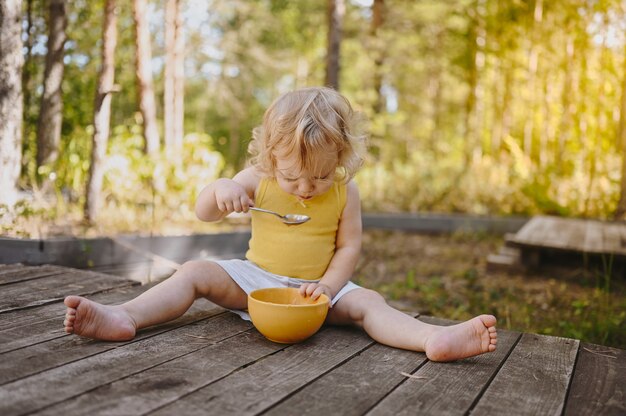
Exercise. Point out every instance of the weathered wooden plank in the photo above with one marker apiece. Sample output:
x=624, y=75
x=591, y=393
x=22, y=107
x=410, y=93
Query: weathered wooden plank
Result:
x=572, y=235
x=552, y=232
x=533, y=380
x=426, y=222
x=593, y=238
x=354, y=387
x=555, y=232
x=67, y=251
x=357, y=385
x=24, y=327
x=61, y=383
x=54, y=288
x=576, y=238
x=271, y=379
x=526, y=235
x=30, y=316
x=142, y=272
x=168, y=382
x=9, y=268
x=83, y=253
x=599, y=382
x=39, y=357
x=622, y=231
x=4, y=268
x=24, y=273
x=436, y=383
x=613, y=239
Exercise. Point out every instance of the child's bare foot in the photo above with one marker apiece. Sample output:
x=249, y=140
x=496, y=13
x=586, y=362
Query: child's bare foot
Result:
x=93, y=320
x=473, y=337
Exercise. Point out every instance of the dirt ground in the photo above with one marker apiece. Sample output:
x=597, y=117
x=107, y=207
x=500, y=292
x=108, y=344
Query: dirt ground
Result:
x=447, y=276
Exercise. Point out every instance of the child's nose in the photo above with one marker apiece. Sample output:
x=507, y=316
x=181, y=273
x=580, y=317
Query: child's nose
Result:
x=305, y=185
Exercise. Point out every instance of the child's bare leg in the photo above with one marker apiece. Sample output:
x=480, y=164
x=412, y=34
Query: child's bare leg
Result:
x=164, y=302
x=389, y=326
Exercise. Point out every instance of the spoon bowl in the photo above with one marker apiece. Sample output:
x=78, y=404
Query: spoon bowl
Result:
x=289, y=219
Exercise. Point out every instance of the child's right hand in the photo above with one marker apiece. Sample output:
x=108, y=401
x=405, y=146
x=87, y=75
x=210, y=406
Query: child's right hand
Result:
x=230, y=196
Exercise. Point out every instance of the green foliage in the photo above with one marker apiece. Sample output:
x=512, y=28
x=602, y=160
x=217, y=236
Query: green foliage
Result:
x=152, y=189
x=470, y=123
x=12, y=218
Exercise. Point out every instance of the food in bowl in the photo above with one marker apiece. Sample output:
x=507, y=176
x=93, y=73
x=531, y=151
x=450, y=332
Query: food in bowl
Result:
x=285, y=316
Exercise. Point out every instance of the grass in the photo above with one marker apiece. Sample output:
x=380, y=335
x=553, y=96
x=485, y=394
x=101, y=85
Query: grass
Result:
x=446, y=276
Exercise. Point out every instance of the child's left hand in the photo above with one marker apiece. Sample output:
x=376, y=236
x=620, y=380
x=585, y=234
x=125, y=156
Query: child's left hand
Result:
x=314, y=290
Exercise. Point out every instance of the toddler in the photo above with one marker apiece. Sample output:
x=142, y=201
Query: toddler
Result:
x=305, y=155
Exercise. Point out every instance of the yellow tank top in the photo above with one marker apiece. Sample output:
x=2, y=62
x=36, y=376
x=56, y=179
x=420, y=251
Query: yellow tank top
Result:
x=301, y=251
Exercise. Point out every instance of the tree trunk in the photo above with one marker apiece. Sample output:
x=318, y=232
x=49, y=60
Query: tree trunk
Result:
x=567, y=99
x=29, y=40
x=336, y=11
x=51, y=110
x=473, y=102
x=179, y=80
x=145, y=91
x=546, y=132
x=174, y=73
x=168, y=78
x=234, y=139
x=533, y=62
x=481, y=59
x=378, y=18
x=620, y=212
x=102, y=112
x=435, y=86
x=599, y=117
x=498, y=104
x=11, y=61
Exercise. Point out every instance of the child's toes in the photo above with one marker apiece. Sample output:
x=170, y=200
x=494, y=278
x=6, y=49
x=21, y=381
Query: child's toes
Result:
x=70, y=314
x=68, y=323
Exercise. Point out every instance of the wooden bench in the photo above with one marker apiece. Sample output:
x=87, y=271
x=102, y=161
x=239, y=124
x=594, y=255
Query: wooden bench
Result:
x=565, y=241
x=210, y=361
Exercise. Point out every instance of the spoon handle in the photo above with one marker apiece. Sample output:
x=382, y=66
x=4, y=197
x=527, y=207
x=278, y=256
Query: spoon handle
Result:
x=266, y=211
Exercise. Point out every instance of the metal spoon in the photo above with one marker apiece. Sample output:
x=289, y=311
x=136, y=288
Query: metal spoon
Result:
x=289, y=219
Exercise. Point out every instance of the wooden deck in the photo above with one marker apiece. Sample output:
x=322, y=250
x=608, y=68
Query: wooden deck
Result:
x=575, y=235
x=211, y=362
x=565, y=241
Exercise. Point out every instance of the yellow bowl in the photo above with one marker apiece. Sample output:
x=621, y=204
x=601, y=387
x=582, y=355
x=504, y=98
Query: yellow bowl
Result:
x=283, y=315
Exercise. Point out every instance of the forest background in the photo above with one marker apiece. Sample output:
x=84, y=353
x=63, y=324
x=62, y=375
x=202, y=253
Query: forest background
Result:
x=114, y=114
x=475, y=106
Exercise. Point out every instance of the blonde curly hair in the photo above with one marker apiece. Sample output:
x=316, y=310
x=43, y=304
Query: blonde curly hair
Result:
x=310, y=123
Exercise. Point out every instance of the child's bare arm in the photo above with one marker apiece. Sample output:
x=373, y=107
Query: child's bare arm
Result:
x=348, y=248
x=224, y=196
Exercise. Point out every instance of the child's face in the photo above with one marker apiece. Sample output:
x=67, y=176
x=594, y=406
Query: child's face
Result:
x=300, y=182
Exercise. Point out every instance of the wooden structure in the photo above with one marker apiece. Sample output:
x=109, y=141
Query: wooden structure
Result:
x=212, y=362
x=568, y=240
x=137, y=257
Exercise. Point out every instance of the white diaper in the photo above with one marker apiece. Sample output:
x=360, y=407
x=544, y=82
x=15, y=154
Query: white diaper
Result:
x=250, y=277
